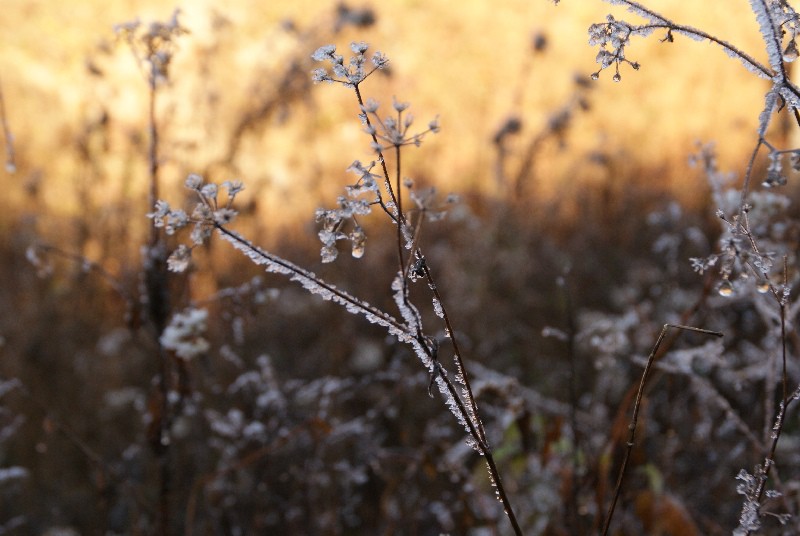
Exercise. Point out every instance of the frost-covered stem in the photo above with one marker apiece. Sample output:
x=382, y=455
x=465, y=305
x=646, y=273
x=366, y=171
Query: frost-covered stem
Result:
x=307, y=278
x=771, y=40
x=501, y=492
x=494, y=473
x=472, y=415
x=415, y=244
x=748, y=174
x=777, y=428
x=783, y=303
x=664, y=23
x=381, y=159
x=769, y=461
x=635, y=417
x=401, y=219
x=411, y=330
x=784, y=388
x=776, y=71
x=730, y=49
x=399, y=191
x=779, y=298
x=781, y=83
x=743, y=56
x=407, y=333
x=398, y=216
x=395, y=197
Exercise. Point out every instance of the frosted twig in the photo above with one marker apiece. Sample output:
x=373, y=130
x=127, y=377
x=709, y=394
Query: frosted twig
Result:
x=461, y=370
x=315, y=285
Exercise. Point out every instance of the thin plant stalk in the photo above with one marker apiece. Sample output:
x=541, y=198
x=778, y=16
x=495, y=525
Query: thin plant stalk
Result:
x=635, y=417
x=411, y=334
x=154, y=48
x=471, y=416
x=786, y=399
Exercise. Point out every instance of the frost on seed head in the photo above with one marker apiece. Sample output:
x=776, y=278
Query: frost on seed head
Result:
x=350, y=73
x=323, y=53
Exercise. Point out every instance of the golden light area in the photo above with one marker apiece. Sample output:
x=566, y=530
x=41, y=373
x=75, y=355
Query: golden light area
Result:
x=76, y=100
x=182, y=370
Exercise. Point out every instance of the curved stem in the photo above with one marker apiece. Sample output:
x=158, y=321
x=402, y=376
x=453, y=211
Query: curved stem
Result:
x=460, y=368
x=635, y=417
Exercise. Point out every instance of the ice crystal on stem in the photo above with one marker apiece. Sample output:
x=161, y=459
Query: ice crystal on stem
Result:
x=748, y=486
x=770, y=31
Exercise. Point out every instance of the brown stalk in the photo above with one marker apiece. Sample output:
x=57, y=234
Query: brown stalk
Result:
x=635, y=417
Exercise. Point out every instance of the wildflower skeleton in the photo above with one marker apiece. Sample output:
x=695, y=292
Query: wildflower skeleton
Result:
x=390, y=133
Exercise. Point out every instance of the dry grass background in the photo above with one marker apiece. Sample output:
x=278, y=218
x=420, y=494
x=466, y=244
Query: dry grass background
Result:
x=76, y=103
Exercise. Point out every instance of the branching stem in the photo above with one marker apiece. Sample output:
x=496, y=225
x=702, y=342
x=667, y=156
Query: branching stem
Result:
x=635, y=417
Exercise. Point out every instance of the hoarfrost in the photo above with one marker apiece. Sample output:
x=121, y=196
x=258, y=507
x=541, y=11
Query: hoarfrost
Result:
x=771, y=99
x=769, y=33
x=639, y=10
x=309, y=281
x=437, y=308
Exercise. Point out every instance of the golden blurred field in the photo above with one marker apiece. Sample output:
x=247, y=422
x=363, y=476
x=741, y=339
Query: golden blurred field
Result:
x=473, y=66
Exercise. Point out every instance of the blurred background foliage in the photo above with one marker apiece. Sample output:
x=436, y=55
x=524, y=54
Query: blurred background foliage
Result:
x=578, y=214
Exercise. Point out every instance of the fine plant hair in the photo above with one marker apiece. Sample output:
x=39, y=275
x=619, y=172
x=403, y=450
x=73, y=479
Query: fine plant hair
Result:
x=384, y=189
x=743, y=259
